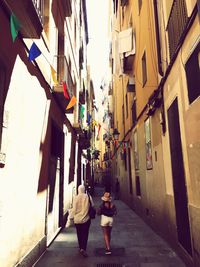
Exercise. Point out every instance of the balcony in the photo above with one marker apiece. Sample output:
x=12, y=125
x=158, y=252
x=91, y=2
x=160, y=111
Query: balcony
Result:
x=64, y=75
x=127, y=48
x=30, y=15
x=176, y=25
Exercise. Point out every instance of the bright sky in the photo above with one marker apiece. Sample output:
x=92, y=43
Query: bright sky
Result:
x=97, y=13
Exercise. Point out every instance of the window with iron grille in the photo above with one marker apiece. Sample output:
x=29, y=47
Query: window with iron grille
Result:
x=192, y=68
x=176, y=24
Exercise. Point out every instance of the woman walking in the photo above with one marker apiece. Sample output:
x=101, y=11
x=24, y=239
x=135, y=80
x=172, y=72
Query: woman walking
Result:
x=81, y=217
x=107, y=210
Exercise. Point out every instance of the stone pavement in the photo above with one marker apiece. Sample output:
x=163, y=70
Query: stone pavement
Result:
x=134, y=244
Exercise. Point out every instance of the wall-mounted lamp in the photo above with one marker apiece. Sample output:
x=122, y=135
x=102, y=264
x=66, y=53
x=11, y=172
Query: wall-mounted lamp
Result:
x=116, y=134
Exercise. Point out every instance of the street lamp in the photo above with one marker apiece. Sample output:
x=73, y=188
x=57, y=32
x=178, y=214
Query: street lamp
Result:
x=116, y=134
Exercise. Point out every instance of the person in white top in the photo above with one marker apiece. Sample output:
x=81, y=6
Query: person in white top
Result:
x=81, y=218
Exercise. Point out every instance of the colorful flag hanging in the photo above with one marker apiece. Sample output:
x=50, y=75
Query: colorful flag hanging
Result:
x=94, y=123
x=34, y=52
x=72, y=102
x=54, y=76
x=65, y=91
x=14, y=26
x=88, y=118
x=82, y=109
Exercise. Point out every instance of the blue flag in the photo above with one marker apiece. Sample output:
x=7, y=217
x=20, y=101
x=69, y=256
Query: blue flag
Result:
x=34, y=52
x=88, y=118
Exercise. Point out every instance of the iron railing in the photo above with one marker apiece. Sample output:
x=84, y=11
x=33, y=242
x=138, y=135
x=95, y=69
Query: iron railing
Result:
x=39, y=7
x=64, y=73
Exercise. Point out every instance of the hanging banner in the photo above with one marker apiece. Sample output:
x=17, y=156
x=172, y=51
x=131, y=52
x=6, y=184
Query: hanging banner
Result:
x=54, y=76
x=71, y=103
x=65, y=91
x=14, y=26
x=34, y=52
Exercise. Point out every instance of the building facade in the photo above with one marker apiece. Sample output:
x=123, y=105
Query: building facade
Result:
x=155, y=78
x=43, y=66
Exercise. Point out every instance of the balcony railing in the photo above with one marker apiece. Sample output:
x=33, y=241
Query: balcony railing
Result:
x=176, y=24
x=64, y=75
x=30, y=15
x=39, y=7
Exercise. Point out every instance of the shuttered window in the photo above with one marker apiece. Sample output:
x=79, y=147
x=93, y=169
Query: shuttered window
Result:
x=192, y=69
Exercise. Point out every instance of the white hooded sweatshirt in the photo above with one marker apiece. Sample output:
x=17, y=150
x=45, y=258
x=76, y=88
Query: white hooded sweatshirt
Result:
x=81, y=206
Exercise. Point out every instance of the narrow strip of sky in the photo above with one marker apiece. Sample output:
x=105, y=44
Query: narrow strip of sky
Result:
x=97, y=13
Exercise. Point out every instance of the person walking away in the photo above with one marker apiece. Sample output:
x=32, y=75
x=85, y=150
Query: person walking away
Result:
x=81, y=217
x=107, y=210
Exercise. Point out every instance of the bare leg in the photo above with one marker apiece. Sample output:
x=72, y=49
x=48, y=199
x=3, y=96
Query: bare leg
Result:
x=107, y=236
x=109, y=233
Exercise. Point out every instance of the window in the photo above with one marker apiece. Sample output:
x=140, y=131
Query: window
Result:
x=115, y=6
x=136, y=155
x=192, y=68
x=149, y=163
x=176, y=24
x=75, y=32
x=139, y=5
x=60, y=67
x=134, y=116
x=126, y=106
x=138, y=189
x=46, y=18
x=144, y=69
x=125, y=158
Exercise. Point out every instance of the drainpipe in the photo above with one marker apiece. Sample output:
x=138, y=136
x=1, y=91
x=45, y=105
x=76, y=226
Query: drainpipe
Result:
x=157, y=38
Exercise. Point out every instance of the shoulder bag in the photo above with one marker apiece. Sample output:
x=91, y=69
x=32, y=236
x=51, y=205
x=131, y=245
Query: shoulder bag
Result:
x=92, y=210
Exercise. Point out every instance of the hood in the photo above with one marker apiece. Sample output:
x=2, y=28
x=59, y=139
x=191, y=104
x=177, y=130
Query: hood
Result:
x=81, y=189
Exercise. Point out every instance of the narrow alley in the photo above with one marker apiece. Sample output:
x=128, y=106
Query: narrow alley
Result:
x=144, y=249
x=103, y=94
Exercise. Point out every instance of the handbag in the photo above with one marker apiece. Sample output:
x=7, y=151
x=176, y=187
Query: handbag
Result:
x=92, y=210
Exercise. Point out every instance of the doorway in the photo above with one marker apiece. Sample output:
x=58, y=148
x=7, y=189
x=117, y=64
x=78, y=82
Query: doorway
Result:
x=179, y=183
x=55, y=184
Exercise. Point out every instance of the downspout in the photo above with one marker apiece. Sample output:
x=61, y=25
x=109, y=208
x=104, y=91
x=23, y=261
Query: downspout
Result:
x=157, y=38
